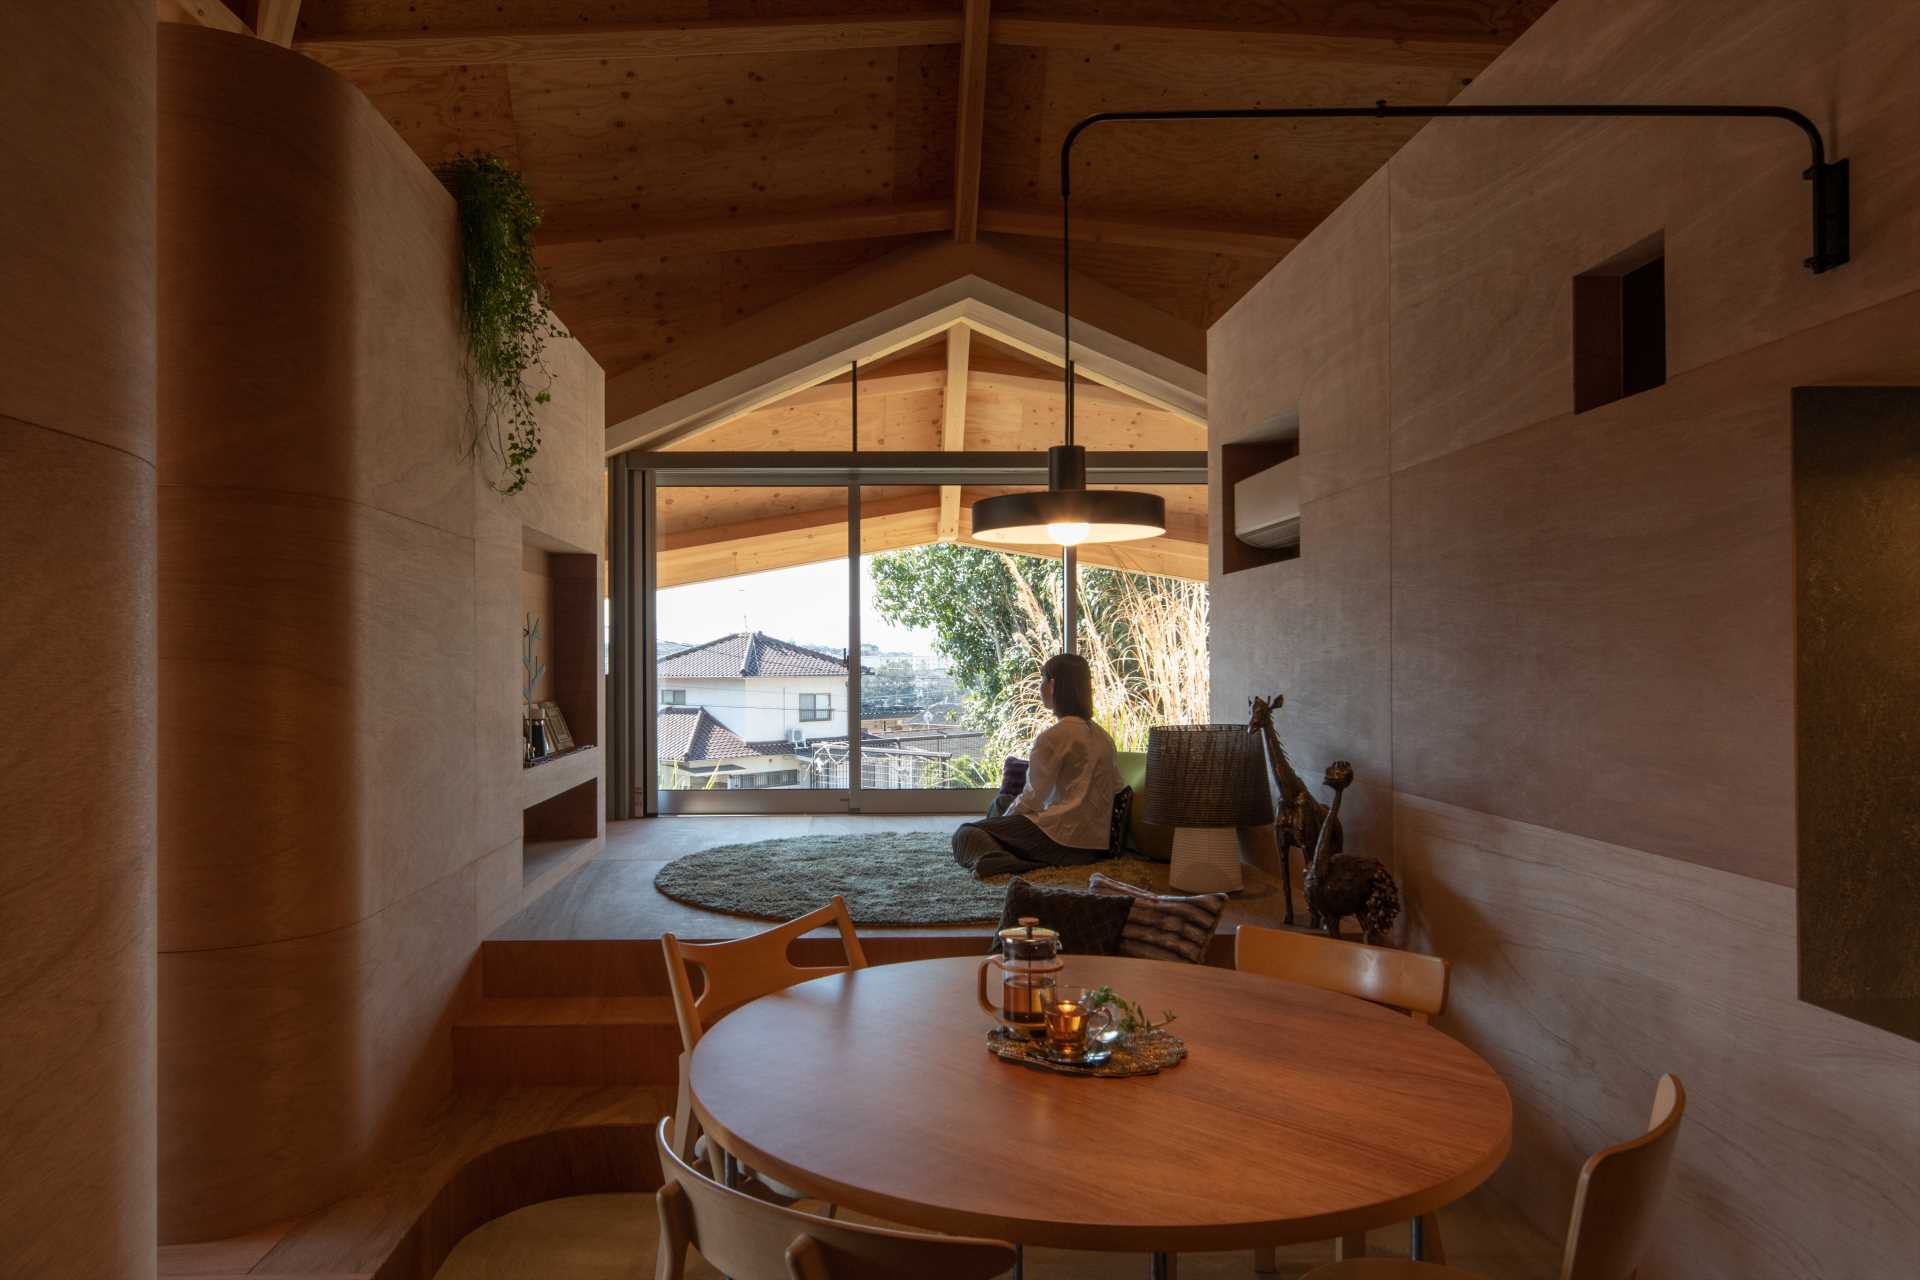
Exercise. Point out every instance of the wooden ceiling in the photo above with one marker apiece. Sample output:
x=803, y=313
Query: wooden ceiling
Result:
x=699, y=160
x=715, y=174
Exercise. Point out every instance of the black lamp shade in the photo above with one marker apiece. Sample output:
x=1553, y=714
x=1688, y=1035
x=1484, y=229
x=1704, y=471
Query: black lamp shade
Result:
x=1207, y=775
x=1066, y=512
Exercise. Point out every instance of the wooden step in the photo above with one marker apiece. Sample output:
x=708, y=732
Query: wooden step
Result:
x=566, y=1040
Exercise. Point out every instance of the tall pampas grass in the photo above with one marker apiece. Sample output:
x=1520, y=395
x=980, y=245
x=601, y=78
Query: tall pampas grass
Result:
x=1145, y=641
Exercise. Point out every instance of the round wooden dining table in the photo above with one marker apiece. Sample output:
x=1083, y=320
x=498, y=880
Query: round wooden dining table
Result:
x=1298, y=1114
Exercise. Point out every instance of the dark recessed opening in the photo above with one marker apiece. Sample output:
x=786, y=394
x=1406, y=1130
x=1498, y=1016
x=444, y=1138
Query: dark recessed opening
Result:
x=1620, y=328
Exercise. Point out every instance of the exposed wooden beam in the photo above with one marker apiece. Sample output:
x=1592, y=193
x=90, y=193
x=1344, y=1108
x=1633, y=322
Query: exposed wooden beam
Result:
x=953, y=424
x=729, y=235
x=201, y=13
x=970, y=131
x=274, y=20
x=793, y=538
x=1196, y=237
x=590, y=43
x=1465, y=53
x=888, y=305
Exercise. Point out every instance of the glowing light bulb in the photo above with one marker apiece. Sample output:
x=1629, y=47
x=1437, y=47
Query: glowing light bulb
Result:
x=1068, y=534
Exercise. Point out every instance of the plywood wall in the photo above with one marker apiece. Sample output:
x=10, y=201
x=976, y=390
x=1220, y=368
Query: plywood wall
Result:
x=76, y=640
x=1559, y=647
x=340, y=605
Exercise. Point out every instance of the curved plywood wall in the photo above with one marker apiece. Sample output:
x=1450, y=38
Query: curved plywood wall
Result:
x=339, y=621
x=76, y=639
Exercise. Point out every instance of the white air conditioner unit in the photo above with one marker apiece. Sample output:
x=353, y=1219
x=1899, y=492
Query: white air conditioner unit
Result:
x=797, y=737
x=1266, y=507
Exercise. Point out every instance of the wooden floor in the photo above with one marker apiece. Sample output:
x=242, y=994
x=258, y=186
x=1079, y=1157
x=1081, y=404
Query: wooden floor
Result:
x=613, y=1237
x=613, y=897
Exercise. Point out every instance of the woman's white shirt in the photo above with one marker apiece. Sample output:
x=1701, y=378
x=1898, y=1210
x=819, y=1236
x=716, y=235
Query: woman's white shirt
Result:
x=1071, y=781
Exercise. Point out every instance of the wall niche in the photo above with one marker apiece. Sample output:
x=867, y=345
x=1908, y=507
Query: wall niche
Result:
x=558, y=587
x=1856, y=506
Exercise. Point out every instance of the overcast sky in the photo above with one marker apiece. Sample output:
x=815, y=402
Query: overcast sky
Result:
x=806, y=604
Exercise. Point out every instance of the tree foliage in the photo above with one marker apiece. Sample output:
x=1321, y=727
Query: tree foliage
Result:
x=996, y=617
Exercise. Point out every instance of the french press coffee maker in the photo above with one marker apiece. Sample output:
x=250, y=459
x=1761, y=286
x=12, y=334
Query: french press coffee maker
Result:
x=1029, y=964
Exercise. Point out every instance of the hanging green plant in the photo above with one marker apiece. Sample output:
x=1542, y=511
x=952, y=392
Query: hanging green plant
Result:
x=503, y=308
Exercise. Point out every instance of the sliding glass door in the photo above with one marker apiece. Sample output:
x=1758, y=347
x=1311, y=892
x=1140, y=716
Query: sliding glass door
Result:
x=752, y=680
x=819, y=633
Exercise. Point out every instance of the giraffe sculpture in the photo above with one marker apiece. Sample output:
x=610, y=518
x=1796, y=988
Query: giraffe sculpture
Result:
x=1300, y=816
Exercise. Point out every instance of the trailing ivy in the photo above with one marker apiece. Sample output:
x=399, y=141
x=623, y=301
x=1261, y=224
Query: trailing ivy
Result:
x=503, y=309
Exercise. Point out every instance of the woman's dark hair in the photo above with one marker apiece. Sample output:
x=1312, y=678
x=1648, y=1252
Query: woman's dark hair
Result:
x=1072, y=684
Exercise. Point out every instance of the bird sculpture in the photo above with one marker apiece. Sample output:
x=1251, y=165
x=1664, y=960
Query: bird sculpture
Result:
x=1341, y=884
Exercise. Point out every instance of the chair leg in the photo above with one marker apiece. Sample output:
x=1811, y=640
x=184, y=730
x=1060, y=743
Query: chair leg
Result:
x=1164, y=1266
x=1427, y=1245
x=1346, y=1248
x=1266, y=1260
x=1019, y=1262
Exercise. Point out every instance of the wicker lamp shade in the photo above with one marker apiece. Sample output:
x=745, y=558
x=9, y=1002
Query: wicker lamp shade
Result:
x=1207, y=775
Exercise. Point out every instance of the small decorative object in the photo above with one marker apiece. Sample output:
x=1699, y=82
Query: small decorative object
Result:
x=1029, y=964
x=1205, y=781
x=1344, y=885
x=1140, y=1055
x=1301, y=815
x=1129, y=1018
x=558, y=735
x=538, y=746
x=503, y=308
x=1075, y=1025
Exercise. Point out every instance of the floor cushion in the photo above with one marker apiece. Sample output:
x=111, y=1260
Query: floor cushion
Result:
x=1089, y=924
x=1164, y=927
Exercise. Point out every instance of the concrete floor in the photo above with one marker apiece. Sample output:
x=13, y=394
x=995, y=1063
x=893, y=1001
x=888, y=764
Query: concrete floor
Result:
x=613, y=896
x=613, y=1237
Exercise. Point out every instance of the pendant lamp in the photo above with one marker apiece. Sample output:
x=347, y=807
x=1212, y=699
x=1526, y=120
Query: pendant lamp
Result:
x=1067, y=513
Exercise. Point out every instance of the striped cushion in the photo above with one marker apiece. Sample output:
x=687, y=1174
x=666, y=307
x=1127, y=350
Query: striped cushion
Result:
x=1164, y=928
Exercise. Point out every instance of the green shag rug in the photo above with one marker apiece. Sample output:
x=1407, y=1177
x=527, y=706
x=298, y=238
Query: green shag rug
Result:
x=888, y=877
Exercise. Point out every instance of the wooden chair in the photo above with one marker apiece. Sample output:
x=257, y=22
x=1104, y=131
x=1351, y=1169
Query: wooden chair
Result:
x=1413, y=983
x=747, y=1239
x=1614, y=1208
x=734, y=973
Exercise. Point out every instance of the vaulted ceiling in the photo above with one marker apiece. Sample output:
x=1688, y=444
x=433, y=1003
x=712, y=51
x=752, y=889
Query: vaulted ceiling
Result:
x=702, y=161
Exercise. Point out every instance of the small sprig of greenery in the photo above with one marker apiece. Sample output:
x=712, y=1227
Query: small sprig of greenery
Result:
x=503, y=308
x=1132, y=1019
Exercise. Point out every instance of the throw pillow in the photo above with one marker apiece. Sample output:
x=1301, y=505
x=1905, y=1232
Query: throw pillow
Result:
x=1120, y=829
x=1089, y=924
x=1013, y=776
x=1161, y=927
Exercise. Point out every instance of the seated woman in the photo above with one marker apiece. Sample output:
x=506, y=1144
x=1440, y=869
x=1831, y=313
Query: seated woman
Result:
x=1064, y=815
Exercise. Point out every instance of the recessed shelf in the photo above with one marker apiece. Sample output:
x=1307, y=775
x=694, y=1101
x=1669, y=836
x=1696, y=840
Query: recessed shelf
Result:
x=556, y=774
x=565, y=821
x=1237, y=463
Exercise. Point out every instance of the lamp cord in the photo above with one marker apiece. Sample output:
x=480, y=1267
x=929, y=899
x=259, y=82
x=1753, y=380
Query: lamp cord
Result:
x=1830, y=197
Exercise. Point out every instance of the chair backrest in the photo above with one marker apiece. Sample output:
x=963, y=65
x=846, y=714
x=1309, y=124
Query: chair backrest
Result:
x=748, y=968
x=748, y=1239
x=1404, y=979
x=1620, y=1193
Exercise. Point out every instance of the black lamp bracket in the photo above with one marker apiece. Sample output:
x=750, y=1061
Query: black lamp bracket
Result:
x=1831, y=212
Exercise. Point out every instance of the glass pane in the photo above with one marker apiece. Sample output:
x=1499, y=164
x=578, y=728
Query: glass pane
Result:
x=994, y=616
x=948, y=632
x=751, y=656
x=1144, y=622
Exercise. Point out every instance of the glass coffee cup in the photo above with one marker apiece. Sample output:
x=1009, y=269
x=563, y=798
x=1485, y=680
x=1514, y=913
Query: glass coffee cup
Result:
x=1074, y=1026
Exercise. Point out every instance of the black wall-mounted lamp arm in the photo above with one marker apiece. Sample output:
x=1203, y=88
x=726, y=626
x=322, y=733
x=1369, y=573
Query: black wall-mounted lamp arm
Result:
x=1831, y=214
